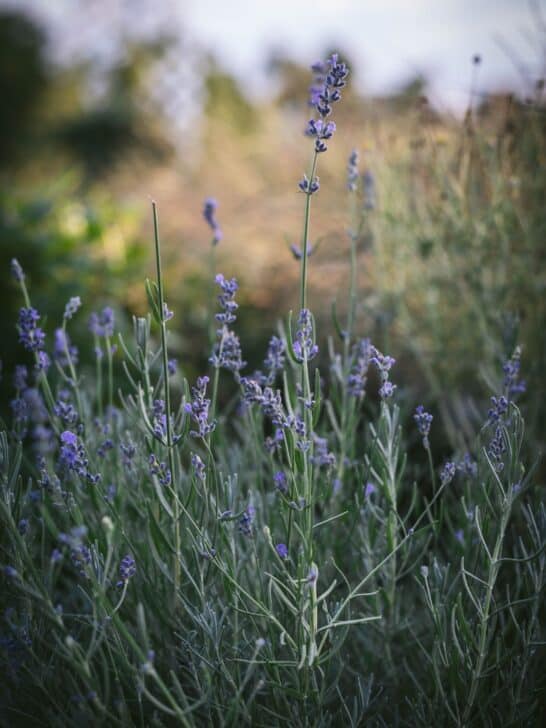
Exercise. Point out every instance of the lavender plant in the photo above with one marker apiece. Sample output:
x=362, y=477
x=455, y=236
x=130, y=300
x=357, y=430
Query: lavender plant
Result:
x=167, y=560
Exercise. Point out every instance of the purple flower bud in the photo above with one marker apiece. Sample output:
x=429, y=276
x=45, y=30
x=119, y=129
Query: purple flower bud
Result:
x=71, y=307
x=16, y=270
x=423, y=420
x=102, y=324
x=281, y=483
x=209, y=211
x=448, y=473
x=312, y=576
x=369, y=489
x=127, y=569
x=352, y=171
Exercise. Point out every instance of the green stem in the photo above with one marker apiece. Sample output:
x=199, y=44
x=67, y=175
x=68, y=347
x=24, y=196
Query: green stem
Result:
x=99, y=374
x=354, y=235
x=165, y=360
x=494, y=568
x=72, y=373
x=212, y=275
x=303, y=280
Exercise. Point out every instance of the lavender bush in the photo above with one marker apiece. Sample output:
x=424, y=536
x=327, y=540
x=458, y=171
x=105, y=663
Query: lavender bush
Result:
x=168, y=561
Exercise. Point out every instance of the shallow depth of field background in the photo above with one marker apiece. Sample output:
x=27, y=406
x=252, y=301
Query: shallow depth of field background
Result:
x=107, y=104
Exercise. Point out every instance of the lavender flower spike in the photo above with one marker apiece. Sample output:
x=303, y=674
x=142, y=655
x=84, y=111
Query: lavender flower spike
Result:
x=330, y=78
x=17, y=271
x=127, y=569
x=31, y=335
x=227, y=299
x=423, y=420
x=209, y=210
x=71, y=307
x=102, y=324
x=352, y=172
x=384, y=364
x=198, y=409
x=304, y=346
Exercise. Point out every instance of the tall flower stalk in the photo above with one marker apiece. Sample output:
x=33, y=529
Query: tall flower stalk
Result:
x=164, y=316
x=329, y=79
x=30, y=335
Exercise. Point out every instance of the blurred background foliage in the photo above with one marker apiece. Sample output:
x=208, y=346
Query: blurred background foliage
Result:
x=452, y=251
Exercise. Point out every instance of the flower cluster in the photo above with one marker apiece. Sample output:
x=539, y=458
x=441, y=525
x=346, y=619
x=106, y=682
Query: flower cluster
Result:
x=227, y=300
x=105, y=446
x=209, y=211
x=275, y=358
x=64, y=409
x=227, y=352
x=273, y=442
x=468, y=466
x=356, y=381
x=43, y=362
x=20, y=377
x=331, y=77
x=246, y=520
x=81, y=558
x=167, y=313
x=160, y=470
x=71, y=307
x=498, y=416
x=499, y=408
x=159, y=422
x=512, y=385
x=198, y=409
x=127, y=569
x=267, y=398
x=497, y=448
x=80, y=554
x=304, y=346
x=321, y=456
x=273, y=364
x=102, y=324
x=72, y=456
x=309, y=186
x=128, y=452
x=199, y=467
x=423, y=420
x=448, y=472
x=31, y=335
x=29, y=409
x=352, y=171
x=281, y=482
x=384, y=364
x=297, y=425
